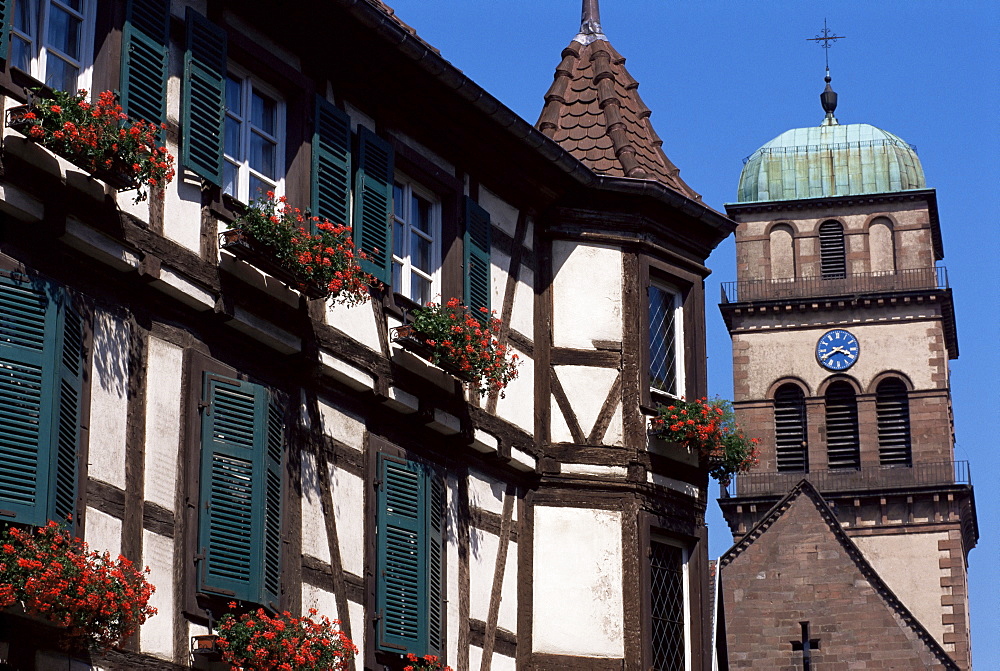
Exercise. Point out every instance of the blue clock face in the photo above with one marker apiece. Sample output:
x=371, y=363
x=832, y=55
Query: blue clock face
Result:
x=837, y=350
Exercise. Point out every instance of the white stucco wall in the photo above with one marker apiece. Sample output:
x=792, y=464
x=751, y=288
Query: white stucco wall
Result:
x=586, y=294
x=587, y=388
x=346, y=428
x=518, y=404
x=909, y=565
x=314, y=540
x=163, y=421
x=487, y=492
x=357, y=321
x=577, y=590
x=156, y=637
x=349, y=511
x=109, y=399
x=522, y=314
x=483, y=547
x=104, y=533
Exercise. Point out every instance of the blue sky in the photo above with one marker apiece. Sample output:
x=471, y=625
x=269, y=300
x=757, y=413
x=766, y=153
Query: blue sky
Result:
x=723, y=78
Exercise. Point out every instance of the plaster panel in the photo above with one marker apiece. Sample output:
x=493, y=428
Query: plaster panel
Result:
x=559, y=428
x=587, y=294
x=314, y=540
x=902, y=346
x=182, y=212
x=577, y=590
x=426, y=153
x=499, y=271
x=348, y=509
x=156, y=636
x=908, y=563
x=358, y=631
x=451, y=556
x=518, y=403
x=487, y=492
x=615, y=434
x=356, y=321
x=104, y=533
x=587, y=388
x=163, y=421
x=323, y=601
x=522, y=314
x=342, y=426
x=482, y=568
x=502, y=214
x=109, y=399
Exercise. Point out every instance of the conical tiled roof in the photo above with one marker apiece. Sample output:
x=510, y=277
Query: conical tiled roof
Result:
x=593, y=110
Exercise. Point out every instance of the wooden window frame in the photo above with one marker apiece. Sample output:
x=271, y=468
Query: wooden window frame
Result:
x=40, y=11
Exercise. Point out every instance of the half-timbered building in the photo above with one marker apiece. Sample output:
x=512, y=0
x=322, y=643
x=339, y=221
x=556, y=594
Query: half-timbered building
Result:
x=196, y=414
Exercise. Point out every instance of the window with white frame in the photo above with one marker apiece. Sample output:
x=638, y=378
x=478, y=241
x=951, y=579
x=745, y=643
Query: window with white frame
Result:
x=416, y=242
x=52, y=40
x=255, y=120
x=670, y=628
x=666, y=346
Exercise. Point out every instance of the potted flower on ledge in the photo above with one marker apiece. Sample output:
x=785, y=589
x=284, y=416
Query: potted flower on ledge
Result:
x=257, y=641
x=709, y=429
x=451, y=337
x=275, y=237
x=49, y=575
x=98, y=137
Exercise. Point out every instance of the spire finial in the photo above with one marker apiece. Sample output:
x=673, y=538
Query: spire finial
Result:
x=829, y=97
x=590, y=23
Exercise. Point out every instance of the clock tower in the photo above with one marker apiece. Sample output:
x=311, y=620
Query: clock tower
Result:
x=842, y=327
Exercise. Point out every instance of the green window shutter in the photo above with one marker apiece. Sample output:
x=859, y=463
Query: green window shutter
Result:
x=373, y=204
x=435, y=567
x=203, y=97
x=144, y=59
x=331, y=164
x=240, y=503
x=401, y=578
x=40, y=386
x=477, y=258
x=5, y=7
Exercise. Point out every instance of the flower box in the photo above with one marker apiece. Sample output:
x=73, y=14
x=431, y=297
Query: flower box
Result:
x=413, y=341
x=245, y=247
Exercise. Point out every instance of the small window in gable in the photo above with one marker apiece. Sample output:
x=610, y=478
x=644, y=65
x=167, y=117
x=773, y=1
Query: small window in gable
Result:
x=52, y=40
x=254, y=129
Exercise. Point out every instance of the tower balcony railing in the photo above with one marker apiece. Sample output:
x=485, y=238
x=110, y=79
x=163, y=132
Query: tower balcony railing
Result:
x=909, y=279
x=871, y=477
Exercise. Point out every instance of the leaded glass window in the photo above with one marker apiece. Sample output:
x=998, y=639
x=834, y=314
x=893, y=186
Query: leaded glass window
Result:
x=668, y=631
x=665, y=341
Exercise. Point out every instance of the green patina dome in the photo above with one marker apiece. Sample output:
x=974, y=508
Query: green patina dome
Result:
x=830, y=160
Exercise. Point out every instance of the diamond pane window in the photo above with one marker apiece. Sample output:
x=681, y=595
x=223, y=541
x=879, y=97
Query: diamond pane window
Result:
x=665, y=347
x=668, y=631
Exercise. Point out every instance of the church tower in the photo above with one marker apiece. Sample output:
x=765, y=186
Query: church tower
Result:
x=842, y=325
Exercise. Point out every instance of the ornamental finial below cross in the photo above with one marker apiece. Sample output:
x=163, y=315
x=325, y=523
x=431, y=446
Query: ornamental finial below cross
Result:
x=826, y=37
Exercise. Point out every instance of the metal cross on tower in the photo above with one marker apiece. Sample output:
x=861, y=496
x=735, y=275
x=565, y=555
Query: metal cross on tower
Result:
x=826, y=37
x=806, y=645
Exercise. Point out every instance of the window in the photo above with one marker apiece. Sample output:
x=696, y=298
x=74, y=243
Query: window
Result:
x=410, y=535
x=41, y=382
x=239, y=534
x=52, y=41
x=842, y=446
x=416, y=242
x=668, y=606
x=892, y=409
x=666, y=354
x=790, y=428
x=832, y=254
x=254, y=126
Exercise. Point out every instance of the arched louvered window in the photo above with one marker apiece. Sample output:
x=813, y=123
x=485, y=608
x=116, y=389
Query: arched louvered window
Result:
x=892, y=407
x=790, y=428
x=842, y=446
x=832, y=252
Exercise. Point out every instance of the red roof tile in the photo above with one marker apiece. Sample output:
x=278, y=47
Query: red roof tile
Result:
x=593, y=110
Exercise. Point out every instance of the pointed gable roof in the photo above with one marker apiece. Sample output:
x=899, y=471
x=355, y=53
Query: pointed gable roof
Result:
x=804, y=494
x=593, y=110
